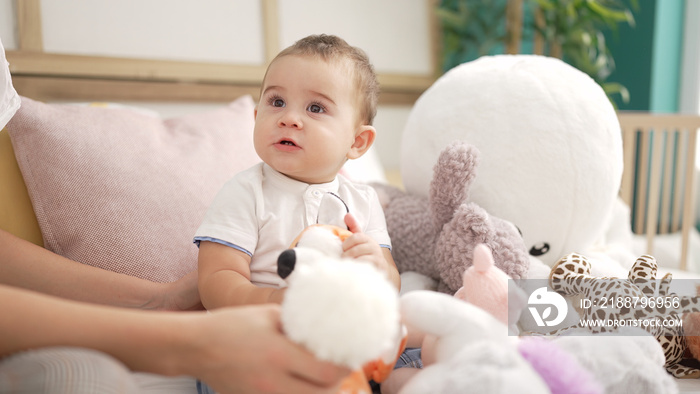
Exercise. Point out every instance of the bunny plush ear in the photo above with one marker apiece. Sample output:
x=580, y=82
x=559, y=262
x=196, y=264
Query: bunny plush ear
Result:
x=332, y=210
x=483, y=258
x=452, y=176
x=485, y=285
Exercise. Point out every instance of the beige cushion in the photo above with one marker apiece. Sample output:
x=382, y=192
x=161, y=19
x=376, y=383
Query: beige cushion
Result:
x=16, y=213
x=123, y=190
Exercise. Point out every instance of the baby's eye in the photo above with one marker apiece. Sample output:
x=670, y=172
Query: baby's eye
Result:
x=316, y=108
x=276, y=101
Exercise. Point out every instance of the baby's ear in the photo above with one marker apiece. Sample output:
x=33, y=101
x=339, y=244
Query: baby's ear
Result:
x=364, y=138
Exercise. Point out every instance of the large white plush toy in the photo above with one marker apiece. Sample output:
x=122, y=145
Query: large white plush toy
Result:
x=551, y=150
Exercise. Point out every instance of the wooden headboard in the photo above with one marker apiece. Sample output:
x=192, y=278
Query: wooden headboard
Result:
x=50, y=76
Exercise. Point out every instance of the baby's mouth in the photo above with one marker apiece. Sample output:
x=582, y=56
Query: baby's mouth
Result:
x=287, y=143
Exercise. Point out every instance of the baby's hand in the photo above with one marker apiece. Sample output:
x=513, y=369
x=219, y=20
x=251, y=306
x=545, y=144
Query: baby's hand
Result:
x=361, y=246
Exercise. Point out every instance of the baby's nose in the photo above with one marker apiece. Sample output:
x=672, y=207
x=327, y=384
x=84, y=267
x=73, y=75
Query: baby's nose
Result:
x=290, y=119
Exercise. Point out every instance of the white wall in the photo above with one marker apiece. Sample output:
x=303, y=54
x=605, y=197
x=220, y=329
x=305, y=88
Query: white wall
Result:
x=7, y=24
x=395, y=34
x=207, y=30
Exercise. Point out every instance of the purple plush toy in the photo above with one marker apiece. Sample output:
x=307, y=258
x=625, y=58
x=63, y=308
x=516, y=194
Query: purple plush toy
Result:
x=559, y=369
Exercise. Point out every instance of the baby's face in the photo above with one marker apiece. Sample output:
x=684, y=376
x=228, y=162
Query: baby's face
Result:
x=306, y=121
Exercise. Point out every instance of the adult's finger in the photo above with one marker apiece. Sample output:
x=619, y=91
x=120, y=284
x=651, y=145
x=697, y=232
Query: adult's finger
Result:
x=322, y=375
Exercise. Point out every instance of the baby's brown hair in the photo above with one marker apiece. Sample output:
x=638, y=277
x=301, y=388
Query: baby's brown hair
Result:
x=330, y=47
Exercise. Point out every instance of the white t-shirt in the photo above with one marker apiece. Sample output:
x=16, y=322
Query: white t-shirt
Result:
x=261, y=211
x=9, y=99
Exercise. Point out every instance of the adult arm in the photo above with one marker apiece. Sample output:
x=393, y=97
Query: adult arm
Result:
x=224, y=278
x=32, y=267
x=238, y=350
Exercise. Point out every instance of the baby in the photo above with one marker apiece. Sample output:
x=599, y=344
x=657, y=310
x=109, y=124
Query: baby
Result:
x=317, y=104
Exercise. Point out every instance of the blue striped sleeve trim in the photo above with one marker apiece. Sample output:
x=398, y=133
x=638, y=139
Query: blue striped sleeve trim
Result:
x=197, y=240
x=385, y=246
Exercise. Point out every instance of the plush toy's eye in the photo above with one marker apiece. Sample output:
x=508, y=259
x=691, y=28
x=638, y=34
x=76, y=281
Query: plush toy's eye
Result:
x=286, y=262
x=539, y=250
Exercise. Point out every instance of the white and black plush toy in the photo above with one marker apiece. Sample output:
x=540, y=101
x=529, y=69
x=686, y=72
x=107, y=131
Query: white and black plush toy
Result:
x=342, y=310
x=551, y=151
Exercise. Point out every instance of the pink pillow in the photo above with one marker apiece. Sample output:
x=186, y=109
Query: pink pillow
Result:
x=121, y=190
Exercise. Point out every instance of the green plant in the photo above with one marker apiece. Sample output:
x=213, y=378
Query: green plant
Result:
x=572, y=30
x=470, y=29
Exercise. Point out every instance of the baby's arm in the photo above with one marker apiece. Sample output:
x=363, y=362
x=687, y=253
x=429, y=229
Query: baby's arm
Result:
x=391, y=269
x=361, y=246
x=224, y=278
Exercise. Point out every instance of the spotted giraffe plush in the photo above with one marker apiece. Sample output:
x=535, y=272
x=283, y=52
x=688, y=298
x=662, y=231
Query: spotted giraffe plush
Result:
x=571, y=276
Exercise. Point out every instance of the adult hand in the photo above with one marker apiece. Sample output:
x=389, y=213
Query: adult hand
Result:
x=244, y=351
x=180, y=295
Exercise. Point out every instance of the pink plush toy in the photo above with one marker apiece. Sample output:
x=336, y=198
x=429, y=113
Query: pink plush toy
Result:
x=487, y=286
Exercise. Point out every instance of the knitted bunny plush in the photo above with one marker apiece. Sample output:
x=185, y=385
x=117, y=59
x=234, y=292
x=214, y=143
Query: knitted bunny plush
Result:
x=436, y=236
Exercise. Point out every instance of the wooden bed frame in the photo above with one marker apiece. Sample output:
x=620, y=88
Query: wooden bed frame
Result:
x=659, y=173
x=54, y=77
